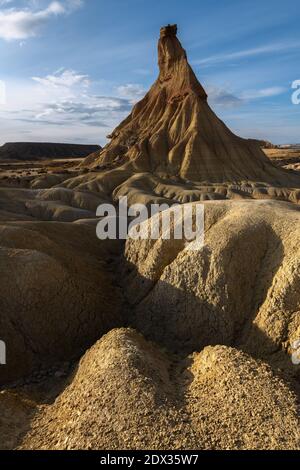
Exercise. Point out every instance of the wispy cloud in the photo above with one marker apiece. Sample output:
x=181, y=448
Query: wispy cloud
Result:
x=223, y=97
x=20, y=24
x=228, y=99
x=64, y=99
x=132, y=91
x=246, y=53
x=263, y=93
x=63, y=78
x=93, y=109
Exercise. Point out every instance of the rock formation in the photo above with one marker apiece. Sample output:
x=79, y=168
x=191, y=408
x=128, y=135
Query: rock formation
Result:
x=128, y=394
x=223, y=320
x=206, y=362
x=171, y=148
x=174, y=132
x=241, y=289
x=56, y=295
x=264, y=144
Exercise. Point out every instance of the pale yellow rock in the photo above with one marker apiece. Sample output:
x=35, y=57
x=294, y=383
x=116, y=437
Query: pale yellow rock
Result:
x=127, y=394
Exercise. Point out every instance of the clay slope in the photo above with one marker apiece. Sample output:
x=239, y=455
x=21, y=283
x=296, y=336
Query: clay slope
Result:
x=241, y=289
x=222, y=319
x=128, y=394
x=57, y=295
x=173, y=131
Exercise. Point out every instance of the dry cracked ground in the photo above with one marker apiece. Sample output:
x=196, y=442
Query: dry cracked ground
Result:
x=146, y=344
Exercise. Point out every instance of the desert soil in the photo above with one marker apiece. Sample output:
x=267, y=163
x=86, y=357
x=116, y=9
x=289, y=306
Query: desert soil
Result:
x=206, y=362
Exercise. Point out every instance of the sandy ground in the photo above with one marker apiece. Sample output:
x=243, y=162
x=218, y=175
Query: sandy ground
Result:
x=285, y=158
x=12, y=171
x=206, y=364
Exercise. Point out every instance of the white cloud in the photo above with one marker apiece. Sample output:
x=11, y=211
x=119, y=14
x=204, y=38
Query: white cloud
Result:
x=132, y=91
x=66, y=98
x=63, y=78
x=228, y=99
x=245, y=53
x=61, y=105
x=20, y=24
x=263, y=93
x=74, y=4
x=90, y=109
x=222, y=97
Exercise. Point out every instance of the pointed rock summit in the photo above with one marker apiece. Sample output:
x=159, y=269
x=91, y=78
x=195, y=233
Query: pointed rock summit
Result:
x=173, y=131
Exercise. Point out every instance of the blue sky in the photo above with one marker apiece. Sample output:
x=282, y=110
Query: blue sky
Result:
x=73, y=68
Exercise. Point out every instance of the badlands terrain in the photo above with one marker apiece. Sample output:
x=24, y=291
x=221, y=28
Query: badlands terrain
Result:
x=144, y=344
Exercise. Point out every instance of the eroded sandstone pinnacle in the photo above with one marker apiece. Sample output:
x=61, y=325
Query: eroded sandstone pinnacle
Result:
x=169, y=30
x=173, y=131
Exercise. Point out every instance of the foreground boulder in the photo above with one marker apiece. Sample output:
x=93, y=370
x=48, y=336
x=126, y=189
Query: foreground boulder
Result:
x=128, y=394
